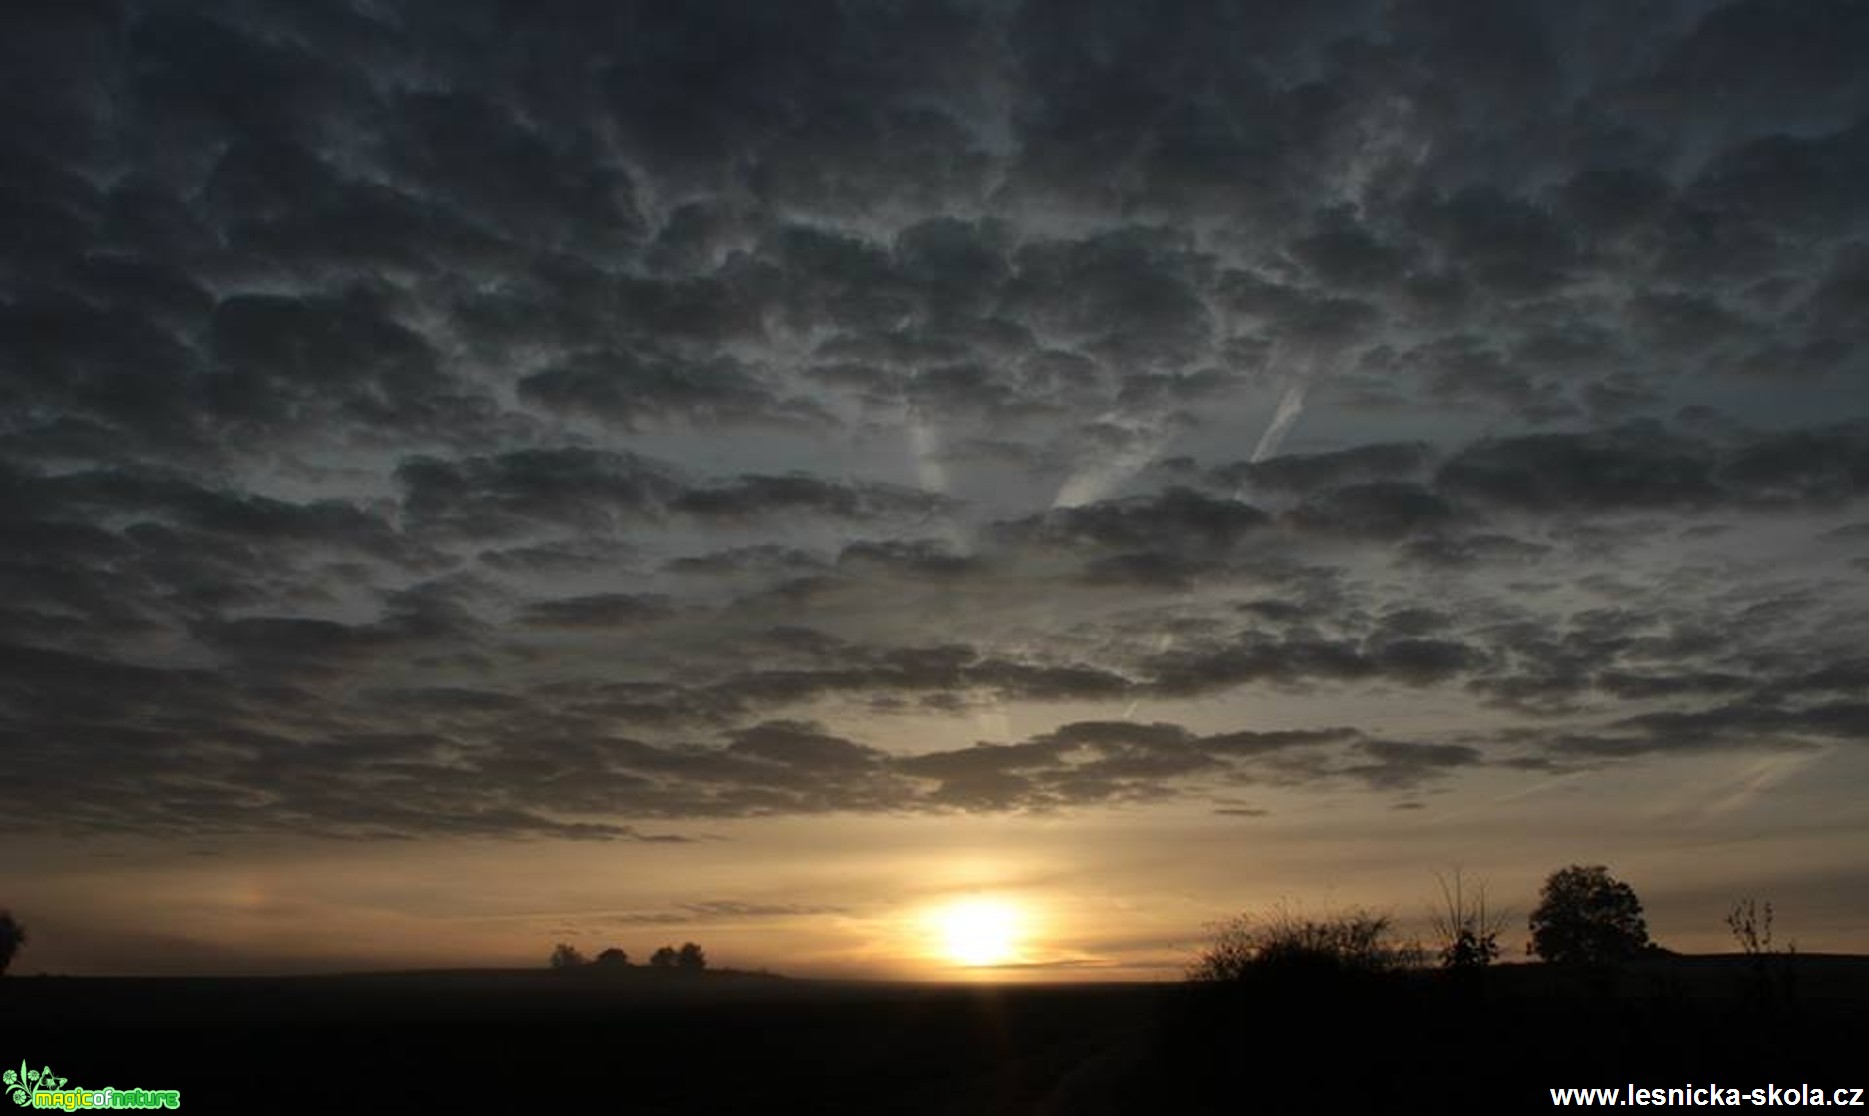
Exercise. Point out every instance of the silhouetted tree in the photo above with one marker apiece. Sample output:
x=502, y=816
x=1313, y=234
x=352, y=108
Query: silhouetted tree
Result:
x=664, y=958
x=691, y=958
x=613, y=958
x=566, y=956
x=12, y=936
x=1587, y=916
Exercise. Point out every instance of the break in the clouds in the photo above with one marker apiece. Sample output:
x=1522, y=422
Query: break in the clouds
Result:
x=587, y=420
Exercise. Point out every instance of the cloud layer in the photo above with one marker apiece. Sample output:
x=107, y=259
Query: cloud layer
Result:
x=440, y=418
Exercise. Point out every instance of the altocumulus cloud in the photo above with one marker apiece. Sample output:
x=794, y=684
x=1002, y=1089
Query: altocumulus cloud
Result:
x=434, y=418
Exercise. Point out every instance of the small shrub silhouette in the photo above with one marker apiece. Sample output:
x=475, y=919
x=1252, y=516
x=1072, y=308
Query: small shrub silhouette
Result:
x=1467, y=932
x=1771, y=982
x=566, y=956
x=12, y=937
x=1283, y=946
x=1751, y=927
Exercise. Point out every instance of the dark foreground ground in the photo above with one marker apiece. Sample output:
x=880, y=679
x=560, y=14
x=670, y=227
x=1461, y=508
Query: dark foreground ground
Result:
x=492, y=1041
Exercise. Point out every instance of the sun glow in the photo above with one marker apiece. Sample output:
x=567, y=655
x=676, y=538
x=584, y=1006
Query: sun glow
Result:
x=978, y=932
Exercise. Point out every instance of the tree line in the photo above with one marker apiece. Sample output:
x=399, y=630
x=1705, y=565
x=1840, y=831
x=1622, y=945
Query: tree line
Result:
x=1585, y=918
x=688, y=957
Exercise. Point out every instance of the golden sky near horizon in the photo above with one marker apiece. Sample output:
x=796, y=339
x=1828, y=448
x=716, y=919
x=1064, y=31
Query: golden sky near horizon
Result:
x=951, y=489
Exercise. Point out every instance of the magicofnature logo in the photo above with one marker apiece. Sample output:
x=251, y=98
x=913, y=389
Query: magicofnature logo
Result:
x=41, y=1088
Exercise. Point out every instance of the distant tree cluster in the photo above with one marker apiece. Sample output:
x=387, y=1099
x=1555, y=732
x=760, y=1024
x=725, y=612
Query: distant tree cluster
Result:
x=689, y=957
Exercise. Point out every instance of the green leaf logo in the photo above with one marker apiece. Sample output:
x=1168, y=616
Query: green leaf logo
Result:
x=23, y=1082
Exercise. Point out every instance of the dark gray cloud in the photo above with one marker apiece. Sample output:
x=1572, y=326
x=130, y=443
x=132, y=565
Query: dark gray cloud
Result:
x=581, y=489
x=1646, y=465
x=1751, y=724
x=433, y=418
x=1393, y=763
x=631, y=390
x=802, y=746
x=750, y=496
x=597, y=610
x=1086, y=762
x=603, y=492
x=1384, y=509
x=1180, y=520
x=1310, y=472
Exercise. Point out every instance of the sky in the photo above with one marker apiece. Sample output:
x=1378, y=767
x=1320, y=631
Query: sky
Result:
x=480, y=475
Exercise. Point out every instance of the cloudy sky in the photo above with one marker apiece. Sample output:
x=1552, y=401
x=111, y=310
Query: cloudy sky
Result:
x=485, y=474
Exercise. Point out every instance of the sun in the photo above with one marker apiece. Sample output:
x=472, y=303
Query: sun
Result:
x=979, y=932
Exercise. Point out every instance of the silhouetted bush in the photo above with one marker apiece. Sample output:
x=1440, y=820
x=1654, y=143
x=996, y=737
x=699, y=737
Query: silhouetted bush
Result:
x=1751, y=927
x=1468, y=934
x=1770, y=982
x=664, y=958
x=1283, y=945
x=613, y=958
x=566, y=956
x=1585, y=916
x=12, y=937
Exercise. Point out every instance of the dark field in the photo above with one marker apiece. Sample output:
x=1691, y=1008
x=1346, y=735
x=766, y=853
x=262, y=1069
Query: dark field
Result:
x=498, y=1041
